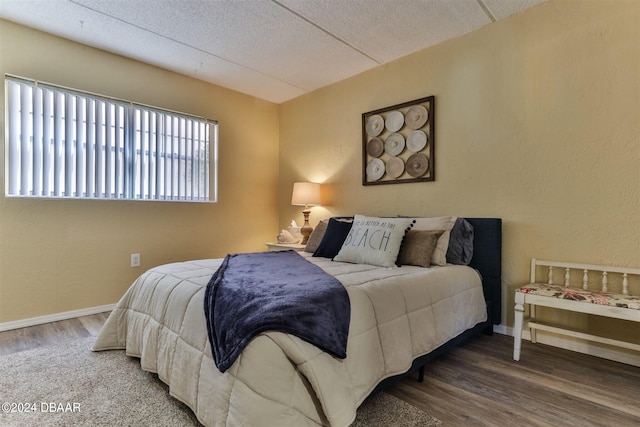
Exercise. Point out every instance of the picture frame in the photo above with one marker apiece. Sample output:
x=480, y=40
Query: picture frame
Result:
x=398, y=143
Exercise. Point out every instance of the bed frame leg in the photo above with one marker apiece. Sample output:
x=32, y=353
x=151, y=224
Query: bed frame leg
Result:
x=421, y=374
x=489, y=329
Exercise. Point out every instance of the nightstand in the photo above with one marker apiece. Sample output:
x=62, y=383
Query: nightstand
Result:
x=285, y=247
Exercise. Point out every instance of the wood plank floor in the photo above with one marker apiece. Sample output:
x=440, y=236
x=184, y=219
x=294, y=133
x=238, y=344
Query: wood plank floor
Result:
x=50, y=333
x=475, y=384
x=478, y=384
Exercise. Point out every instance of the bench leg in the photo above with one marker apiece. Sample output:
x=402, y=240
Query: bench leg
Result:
x=517, y=326
x=532, y=317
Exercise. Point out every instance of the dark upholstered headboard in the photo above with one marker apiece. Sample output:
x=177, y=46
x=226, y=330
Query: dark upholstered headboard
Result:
x=487, y=259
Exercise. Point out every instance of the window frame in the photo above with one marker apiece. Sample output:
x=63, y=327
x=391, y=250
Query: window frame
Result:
x=184, y=145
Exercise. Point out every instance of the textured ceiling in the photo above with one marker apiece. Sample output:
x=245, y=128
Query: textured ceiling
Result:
x=272, y=49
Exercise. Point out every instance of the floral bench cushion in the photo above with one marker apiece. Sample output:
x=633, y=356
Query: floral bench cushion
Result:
x=577, y=294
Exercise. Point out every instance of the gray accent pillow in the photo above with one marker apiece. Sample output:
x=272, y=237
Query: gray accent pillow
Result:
x=316, y=236
x=460, y=250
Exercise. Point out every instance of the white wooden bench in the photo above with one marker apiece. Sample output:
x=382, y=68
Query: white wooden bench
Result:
x=602, y=302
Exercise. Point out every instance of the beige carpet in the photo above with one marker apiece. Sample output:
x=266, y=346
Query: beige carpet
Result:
x=69, y=385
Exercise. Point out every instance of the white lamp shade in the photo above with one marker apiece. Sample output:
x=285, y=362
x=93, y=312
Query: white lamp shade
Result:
x=306, y=194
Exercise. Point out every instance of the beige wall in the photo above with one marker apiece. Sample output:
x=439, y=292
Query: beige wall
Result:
x=62, y=255
x=537, y=122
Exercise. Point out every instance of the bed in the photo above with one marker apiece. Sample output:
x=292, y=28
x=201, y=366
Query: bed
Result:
x=400, y=318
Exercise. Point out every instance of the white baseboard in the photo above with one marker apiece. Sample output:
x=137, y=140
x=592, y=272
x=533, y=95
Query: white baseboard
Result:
x=501, y=329
x=580, y=346
x=33, y=321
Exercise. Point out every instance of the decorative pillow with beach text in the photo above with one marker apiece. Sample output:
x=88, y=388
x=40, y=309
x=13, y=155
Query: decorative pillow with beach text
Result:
x=374, y=241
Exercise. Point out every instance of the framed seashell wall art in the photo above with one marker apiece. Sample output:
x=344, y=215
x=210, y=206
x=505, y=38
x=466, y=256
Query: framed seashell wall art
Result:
x=398, y=143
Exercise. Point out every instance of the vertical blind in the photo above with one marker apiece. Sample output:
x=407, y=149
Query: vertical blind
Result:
x=64, y=143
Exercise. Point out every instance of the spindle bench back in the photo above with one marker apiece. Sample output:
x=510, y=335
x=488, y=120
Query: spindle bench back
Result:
x=618, y=304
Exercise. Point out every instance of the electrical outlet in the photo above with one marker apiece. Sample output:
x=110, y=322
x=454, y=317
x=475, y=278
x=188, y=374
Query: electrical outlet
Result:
x=135, y=260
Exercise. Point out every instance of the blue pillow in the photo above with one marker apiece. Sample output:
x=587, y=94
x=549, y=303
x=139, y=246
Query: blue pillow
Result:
x=460, y=249
x=333, y=238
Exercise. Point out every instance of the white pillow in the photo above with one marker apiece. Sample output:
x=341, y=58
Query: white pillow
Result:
x=374, y=241
x=444, y=223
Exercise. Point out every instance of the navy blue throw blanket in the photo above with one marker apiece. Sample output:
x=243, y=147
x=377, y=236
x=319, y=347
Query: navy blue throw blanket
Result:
x=274, y=291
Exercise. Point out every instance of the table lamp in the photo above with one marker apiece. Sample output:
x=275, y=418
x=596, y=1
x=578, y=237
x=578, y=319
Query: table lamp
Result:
x=306, y=194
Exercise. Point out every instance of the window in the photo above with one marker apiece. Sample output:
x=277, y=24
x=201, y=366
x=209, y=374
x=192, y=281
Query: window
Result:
x=63, y=143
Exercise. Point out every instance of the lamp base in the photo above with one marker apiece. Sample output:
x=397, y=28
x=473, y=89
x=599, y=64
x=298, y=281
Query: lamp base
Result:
x=306, y=228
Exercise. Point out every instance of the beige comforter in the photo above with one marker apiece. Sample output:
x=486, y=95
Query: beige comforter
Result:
x=397, y=314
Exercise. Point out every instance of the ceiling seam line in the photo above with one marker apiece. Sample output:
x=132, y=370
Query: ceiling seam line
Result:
x=188, y=45
x=486, y=10
x=330, y=34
